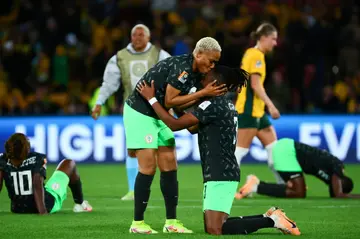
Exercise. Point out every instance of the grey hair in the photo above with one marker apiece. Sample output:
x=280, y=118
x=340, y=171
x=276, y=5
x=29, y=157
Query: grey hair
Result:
x=207, y=44
x=142, y=26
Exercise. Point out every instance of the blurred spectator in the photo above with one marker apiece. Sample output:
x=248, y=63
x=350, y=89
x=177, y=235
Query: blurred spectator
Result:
x=163, y=5
x=67, y=43
x=60, y=66
x=330, y=103
x=279, y=92
x=40, y=103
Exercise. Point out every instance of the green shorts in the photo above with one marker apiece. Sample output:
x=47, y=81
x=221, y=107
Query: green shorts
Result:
x=219, y=195
x=57, y=186
x=246, y=121
x=284, y=156
x=145, y=132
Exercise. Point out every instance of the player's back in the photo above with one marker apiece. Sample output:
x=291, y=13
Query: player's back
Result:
x=217, y=139
x=248, y=102
x=318, y=162
x=19, y=181
x=174, y=70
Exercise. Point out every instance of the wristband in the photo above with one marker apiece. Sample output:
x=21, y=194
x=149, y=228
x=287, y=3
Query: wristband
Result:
x=152, y=101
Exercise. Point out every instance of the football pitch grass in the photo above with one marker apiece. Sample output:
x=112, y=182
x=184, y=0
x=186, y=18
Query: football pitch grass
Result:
x=317, y=216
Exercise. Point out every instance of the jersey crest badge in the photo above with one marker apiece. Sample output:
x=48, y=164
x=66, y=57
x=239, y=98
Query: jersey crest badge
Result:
x=258, y=64
x=148, y=138
x=231, y=106
x=55, y=186
x=183, y=77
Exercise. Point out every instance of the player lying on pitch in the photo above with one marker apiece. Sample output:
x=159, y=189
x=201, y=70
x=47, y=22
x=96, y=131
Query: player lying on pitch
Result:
x=24, y=173
x=290, y=160
x=215, y=119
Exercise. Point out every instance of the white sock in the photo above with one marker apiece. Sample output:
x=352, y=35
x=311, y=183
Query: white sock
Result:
x=240, y=153
x=269, y=148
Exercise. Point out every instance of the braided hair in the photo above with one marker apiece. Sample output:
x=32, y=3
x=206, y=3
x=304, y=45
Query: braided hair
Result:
x=17, y=147
x=233, y=78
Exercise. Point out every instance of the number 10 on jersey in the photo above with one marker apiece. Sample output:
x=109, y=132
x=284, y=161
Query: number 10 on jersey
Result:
x=19, y=179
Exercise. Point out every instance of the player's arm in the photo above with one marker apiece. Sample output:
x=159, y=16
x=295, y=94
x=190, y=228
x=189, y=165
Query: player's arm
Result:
x=257, y=67
x=173, y=97
x=39, y=194
x=185, y=121
x=260, y=91
x=337, y=190
x=187, y=105
x=111, y=83
x=194, y=129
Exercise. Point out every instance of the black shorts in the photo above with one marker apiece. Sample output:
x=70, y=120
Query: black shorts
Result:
x=49, y=201
x=29, y=206
x=286, y=176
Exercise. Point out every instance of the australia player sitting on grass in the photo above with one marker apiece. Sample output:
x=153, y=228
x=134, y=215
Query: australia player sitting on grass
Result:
x=291, y=159
x=24, y=173
x=215, y=119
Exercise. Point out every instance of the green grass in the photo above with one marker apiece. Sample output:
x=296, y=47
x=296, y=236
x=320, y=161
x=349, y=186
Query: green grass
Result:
x=317, y=216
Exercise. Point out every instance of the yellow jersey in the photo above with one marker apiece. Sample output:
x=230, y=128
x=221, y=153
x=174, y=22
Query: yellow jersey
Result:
x=248, y=102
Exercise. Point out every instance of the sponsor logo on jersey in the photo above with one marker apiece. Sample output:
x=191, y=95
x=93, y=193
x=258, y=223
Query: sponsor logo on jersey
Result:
x=204, y=105
x=29, y=161
x=183, y=77
x=192, y=90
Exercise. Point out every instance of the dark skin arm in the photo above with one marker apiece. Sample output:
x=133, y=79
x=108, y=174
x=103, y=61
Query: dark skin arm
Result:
x=39, y=194
x=185, y=121
x=185, y=106
x=173, y=99
x=337, y=188
x=193, y=129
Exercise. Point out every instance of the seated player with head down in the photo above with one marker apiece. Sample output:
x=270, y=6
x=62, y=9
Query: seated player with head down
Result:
x=24, y=173
x=291, y=159
x=215, y=119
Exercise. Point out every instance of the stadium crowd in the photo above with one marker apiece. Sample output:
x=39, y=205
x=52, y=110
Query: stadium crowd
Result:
x=53, y=53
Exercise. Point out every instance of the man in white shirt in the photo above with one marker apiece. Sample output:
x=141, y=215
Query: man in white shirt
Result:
x=126, y=68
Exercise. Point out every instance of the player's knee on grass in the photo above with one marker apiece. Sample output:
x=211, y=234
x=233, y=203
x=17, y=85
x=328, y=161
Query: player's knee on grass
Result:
x=166, y=159
x=146, y=161
x=214, y=221
x=213, y=228
x=296, y=188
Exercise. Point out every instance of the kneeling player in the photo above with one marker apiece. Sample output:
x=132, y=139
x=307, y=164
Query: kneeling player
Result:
x=24, y=173
x=216, y=119
x=291, y=159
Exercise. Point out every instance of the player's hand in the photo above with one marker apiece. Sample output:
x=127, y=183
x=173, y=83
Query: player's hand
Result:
x=43, y=213
x=145, y=90
x=275, y=114
x=95, y=113
x=214, y=90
